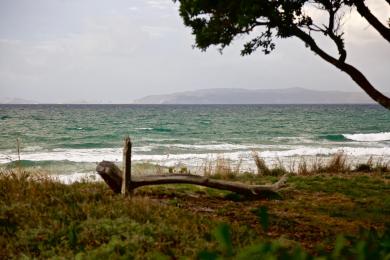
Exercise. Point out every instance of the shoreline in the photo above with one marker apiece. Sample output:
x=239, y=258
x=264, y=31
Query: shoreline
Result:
x=209, y=165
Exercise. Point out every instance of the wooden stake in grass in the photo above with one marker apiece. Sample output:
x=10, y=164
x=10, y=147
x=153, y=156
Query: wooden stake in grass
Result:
x=18, y=164
x=18, y=148
x=126, y=173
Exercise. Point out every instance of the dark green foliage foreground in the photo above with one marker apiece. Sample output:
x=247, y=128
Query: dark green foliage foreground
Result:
x=42, y=219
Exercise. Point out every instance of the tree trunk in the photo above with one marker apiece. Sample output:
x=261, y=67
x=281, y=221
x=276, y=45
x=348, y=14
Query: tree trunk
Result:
x=362, y=81
x=354, y=73
x=112, y=175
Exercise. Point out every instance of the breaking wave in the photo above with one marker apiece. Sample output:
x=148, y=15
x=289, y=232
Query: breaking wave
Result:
x=374, y=137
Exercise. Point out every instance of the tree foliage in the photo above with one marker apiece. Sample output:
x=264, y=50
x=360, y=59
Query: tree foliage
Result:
x=219, y=22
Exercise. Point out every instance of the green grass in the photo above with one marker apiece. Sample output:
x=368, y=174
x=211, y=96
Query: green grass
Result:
x=41, y=218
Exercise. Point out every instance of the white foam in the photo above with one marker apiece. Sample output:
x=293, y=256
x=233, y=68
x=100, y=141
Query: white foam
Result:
x=314, y=151
x=216, y=147
x=142, y=149
x=32, y=148
x=76, y=177
x=374, y=137
x=144, y=128
x=115, y=155
x=293, y=139
x=73, y=155
x=222, y=146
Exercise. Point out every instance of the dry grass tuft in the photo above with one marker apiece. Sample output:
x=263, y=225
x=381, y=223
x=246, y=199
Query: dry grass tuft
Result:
x=338, y=163
x=379, y=166
x=264, y=170
x=303, y=167
x=221, y=168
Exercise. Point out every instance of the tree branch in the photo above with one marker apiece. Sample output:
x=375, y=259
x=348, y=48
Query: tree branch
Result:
x=354, y=73
x=337, y=39
x=315, y=28
x=366, y=13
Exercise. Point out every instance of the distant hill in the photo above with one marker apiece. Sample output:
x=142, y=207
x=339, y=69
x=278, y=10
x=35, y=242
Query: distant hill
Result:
x=236, y=96
x=260, y=96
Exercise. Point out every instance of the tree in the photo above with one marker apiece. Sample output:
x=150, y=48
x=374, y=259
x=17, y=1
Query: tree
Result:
x=219, y=22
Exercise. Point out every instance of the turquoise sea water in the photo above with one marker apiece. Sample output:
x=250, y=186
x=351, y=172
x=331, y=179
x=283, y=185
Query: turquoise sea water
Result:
x=74, y=137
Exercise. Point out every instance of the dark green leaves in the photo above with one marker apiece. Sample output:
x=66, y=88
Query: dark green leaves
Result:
x=264, y=219
x=218, y=22
x=224, y=238
x=264, y=41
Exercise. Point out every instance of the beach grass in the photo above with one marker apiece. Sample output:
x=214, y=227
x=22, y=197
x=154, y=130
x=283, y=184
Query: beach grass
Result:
x=333, y=211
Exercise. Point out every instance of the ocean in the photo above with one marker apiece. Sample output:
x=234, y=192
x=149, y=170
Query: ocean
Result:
x=70, y=139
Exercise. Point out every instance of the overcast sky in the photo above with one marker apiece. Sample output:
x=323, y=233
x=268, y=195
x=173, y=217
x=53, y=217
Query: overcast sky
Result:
x=120, y=50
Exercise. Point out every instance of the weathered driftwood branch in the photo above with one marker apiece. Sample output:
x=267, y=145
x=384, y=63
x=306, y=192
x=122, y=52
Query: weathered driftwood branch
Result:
x=112, y=175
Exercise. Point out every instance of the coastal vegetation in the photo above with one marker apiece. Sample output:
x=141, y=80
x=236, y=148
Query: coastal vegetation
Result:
x=330, y=210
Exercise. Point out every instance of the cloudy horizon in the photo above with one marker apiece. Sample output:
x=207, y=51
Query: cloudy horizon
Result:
x=56, y=51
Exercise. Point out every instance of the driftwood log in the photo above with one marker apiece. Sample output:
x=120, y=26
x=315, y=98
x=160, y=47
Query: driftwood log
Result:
x=112, y=175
